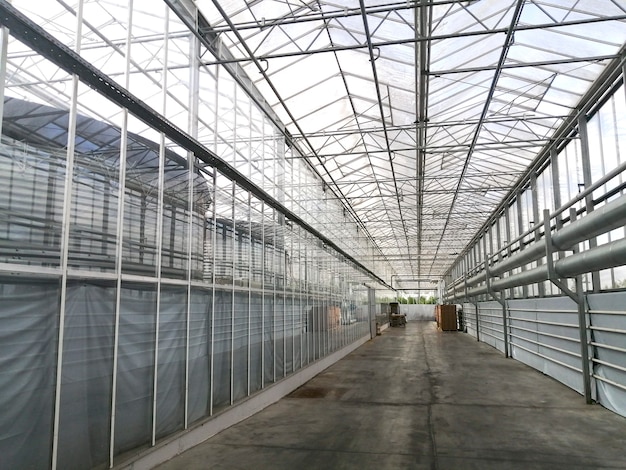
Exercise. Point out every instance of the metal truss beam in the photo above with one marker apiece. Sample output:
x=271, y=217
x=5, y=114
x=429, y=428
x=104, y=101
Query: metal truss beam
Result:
x=431, y=125
x=331, y=15
x=545, y=63
x=415, y=40
x=446, y=149
x=422, y=60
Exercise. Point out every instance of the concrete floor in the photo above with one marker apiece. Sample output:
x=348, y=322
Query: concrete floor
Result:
x=417, y=398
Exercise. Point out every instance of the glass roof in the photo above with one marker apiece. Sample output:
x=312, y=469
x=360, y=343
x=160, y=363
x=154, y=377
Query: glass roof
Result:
x=421, y=115
x=424, y=113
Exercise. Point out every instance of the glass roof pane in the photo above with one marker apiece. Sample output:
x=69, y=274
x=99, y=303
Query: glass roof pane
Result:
x=359, y=122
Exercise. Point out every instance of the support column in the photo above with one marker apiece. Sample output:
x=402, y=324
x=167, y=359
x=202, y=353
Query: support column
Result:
x=586, y=161
x=194, y=90
x=520, y=224
x=119, y=251
x=581, y=301
x=536, y=218
x=500, y=300
x=65, y=233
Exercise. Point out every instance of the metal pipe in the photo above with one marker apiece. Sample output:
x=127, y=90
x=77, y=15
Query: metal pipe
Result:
x=610, y=382
x=602, y=220
x=548, y=358
x=606, y=256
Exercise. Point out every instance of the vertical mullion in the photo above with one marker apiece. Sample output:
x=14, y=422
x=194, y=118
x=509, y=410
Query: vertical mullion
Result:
x=67, y=211
x=234, y=249
x=520, y=224
x=291, y=311
x=541, y=291
x=216, y=99
x=507, y=230
x=212, y=322
x=159, y=227
x=274, y=280
x=232, y=290
x=194, y=88
x=307, y=293
x=250, y=244
x=263, y=248
x=262, y=256
x=300, y=289
x=119, y=254
x=274, y=249
x=283, y=263
x=250, y=247
x=587, y=177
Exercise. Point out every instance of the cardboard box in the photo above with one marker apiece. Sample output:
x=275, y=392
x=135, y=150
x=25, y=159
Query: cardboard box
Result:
x=446, y=317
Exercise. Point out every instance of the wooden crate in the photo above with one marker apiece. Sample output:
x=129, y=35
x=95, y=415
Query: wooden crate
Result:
x=446, y=317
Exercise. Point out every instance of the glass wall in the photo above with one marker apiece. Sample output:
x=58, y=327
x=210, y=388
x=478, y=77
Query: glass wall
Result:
x=142, y=289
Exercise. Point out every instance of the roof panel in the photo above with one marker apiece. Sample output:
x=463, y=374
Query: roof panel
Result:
x=356, y=113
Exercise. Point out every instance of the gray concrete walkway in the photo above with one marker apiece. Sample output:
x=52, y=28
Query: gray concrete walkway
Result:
x=417, y=398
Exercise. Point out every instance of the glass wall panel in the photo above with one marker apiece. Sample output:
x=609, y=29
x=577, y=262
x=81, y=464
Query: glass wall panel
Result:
x=29, y=320
x=256, y=341
x=222, y=347
x=95, y=186
x=170, y=398
x=269, y=339
x=258, y=296
x=207, y=107
x=135, y=368
x=175, y=224
x=571, y=179
x=279, y=335
x=199, y=354
x=226, y=120
x=201, y=224
x=141, y=203
x=33, y=154
x=84, y=420
x=240, y=344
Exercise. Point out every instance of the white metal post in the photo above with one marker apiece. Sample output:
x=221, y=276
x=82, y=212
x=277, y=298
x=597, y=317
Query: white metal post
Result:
x=159, y=226
x=119, y=254
x=65, y=236
x=213, y=291
x=194, y=90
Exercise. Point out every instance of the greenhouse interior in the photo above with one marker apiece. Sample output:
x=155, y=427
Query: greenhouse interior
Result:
x=203, y=203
